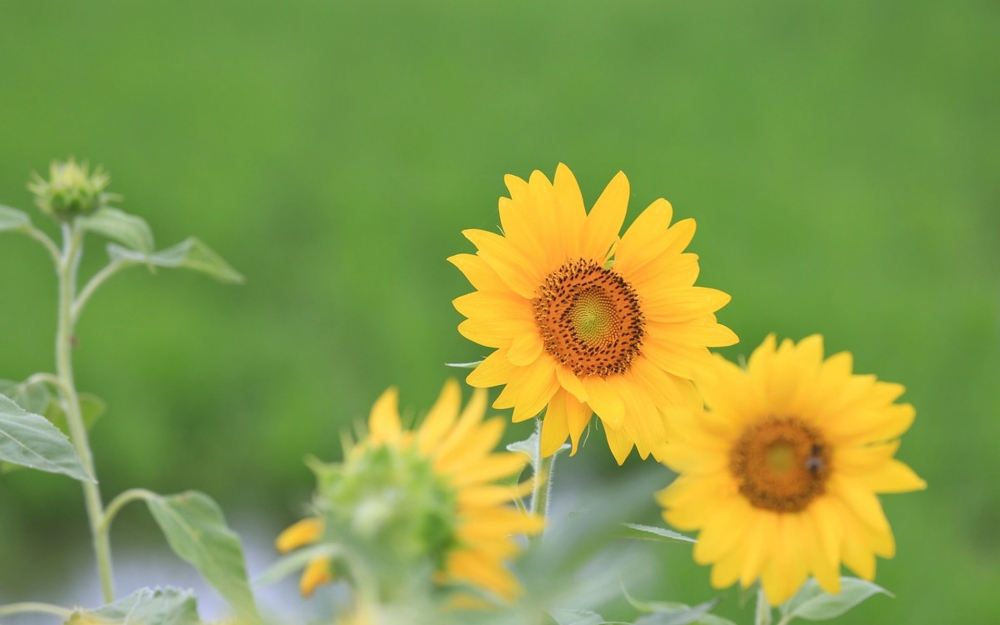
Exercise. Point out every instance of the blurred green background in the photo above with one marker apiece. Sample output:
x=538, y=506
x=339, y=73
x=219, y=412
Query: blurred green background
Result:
x=841, y=158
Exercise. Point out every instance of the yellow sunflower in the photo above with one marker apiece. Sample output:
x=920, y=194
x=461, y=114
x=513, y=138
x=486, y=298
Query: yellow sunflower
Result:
x=780, y=473
x=585, y=322
x=422, y=501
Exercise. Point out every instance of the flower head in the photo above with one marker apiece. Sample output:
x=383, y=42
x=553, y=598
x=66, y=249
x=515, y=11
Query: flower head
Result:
x=780, y=473
x=583, y=321
x=71, y=189
x=422, y=506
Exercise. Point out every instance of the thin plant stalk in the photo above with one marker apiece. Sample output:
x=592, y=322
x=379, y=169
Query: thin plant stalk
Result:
x=35, y=607
x=67, y=270
x=542, y=488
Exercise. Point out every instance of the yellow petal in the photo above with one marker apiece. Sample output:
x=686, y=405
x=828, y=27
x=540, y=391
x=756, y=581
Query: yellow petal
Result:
x=893, y=477
x=573, y=214
x=317, y=572
x=304, y=532
x=477, y=445
x=646, y=237
x=525, y=349
x=555, y=427
x=569, y=381
x=494, y=467
x=383, y=423
x=490, y=574
x=479, y=273
x=605, y=402
x=682, y=304
x=605, y=220
x=494, y=370
x=861, y=501
x=441, y=417
x=620, y=444
x=577, y=417
x=514, y=269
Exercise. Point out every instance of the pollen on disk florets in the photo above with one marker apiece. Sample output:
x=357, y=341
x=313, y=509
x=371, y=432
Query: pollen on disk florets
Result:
x=782, y=464
x=590, y=319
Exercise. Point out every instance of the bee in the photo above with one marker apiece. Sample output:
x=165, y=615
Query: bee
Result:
x=814, y=464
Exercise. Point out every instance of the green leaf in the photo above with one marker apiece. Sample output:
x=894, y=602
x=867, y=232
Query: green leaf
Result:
x=129, y=230
x=812, y=604
x=679, y=615
x=528, y=447
x=672, y=607
x=713, y=619
x=762, y=611
x=295, y=562
x=577, y=617
x=146, y=606
x=188, y=254
x=464, y=365
x=197, y=532
x=30, y=397
x=648, y=532
x=30, y=440
x=37, y=398
x=13, y=219
x=92, y=408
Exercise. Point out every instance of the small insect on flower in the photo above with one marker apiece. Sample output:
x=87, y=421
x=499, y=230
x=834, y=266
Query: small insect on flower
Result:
x=424, y=506
x=780, y=472
x=584, y=321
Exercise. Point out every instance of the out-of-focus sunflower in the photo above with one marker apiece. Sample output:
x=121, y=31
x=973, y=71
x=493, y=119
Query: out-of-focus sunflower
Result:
x=780, y=473
x=585, y=322
x=420, y=506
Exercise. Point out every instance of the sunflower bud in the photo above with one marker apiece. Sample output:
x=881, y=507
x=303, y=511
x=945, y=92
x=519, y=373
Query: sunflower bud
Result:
x=71, y=190
x=392, y=509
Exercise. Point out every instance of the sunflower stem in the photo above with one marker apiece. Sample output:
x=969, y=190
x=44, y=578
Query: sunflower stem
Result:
x=544, y=469
x=69, y=263
x=763, y=612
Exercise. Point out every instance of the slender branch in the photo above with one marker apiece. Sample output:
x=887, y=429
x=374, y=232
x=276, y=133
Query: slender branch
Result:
x=36, y=607
x=46, y=242
x=119, y=502
x=69, y=262
x=48, y=378
x=99, y=278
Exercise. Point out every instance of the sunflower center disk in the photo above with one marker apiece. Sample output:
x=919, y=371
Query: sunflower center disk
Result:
x=589, y=318
x=781, y=464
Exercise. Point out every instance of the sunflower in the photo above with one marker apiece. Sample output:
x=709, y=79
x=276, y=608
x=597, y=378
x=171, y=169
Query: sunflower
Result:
x=426, y=501
x=584, y=322
x=780, y=473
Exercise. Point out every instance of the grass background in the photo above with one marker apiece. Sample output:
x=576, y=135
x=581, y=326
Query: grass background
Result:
x=841, y=159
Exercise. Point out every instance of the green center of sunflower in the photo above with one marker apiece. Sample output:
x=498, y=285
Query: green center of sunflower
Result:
x=781, y=464
x=589, y=318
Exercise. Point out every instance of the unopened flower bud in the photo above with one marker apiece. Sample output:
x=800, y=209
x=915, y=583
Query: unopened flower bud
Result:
x=71, y=190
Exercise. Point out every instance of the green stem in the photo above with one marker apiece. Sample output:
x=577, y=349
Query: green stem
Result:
x=109, y=270
x=34, y=606
x=763, y=613
x=544, y=469
x=67, y=269
x=44, y=239
x=120, y=502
